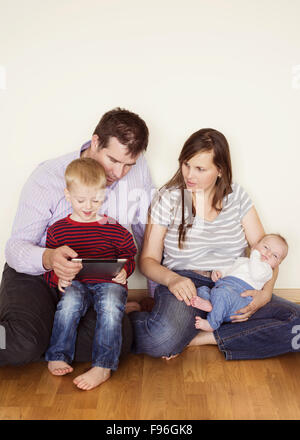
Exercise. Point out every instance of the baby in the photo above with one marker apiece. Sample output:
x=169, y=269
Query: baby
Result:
x=224, y=298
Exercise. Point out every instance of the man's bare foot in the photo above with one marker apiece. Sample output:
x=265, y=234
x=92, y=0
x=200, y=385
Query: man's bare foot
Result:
x=202, y=304
x=92, y=378
x=59, y=368
x=132, y=306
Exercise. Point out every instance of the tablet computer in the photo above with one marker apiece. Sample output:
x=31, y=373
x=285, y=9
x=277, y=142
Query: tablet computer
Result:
x=99, y=267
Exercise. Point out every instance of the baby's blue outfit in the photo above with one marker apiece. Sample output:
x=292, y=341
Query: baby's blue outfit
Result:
x=225, y=299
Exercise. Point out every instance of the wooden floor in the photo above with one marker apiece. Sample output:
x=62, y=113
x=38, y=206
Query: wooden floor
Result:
x=198, y=385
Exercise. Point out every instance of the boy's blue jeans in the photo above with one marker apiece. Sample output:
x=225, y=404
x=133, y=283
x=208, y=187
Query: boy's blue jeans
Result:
x=170, y=326
x=109, y=301
x=225, y=298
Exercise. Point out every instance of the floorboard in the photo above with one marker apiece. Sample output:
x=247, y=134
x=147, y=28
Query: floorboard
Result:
x=197, y=385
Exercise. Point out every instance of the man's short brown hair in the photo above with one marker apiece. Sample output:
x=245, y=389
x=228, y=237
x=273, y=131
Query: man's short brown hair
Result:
x=127, y=127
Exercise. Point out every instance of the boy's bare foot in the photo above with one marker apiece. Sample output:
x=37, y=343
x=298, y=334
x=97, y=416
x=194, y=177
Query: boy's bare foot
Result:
x=92, y=378
x=59, y=368
x=132, y=306
x=202, y=304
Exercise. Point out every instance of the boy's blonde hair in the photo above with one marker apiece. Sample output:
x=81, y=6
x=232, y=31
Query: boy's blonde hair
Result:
x=86, y=171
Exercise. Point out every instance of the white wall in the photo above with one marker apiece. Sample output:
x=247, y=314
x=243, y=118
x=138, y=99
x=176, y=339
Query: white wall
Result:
x=233, y=65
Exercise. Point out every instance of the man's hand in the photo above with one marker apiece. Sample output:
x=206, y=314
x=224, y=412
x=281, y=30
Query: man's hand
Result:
x=260, y=298
x=121, y=277
x=59, y=260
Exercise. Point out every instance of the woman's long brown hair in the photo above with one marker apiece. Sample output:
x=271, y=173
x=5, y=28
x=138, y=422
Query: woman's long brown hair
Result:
x=206, y=139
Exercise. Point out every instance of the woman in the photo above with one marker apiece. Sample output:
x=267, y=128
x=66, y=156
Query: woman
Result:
x=201, y=221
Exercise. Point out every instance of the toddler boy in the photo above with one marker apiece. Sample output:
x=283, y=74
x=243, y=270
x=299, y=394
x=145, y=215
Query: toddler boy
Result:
x=90, y=236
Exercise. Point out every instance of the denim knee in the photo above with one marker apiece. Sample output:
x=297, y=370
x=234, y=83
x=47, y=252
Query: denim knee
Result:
x=73, y=300
x=167, y=329
x=110, y=299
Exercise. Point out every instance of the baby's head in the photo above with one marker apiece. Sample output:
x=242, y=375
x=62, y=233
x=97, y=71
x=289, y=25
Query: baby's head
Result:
x=85, y=188
x=273, y=249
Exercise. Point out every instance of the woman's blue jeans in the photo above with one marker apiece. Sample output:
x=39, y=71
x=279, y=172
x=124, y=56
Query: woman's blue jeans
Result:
x=170, y=326
x=108, y=300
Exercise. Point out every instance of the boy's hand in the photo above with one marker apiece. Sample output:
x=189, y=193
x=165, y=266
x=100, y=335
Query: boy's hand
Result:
x=121, y=278
x=62, y=284
x=216, y=275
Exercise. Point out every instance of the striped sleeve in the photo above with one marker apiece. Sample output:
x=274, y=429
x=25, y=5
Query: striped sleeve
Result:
x=127, y=249
x=245, y=201
x=23, y=252
x=51, y=242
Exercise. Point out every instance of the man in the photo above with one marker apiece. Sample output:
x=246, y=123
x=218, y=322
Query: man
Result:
x=27, y=303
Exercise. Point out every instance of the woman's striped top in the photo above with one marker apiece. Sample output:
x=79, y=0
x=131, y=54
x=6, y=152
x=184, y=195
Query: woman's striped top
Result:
x=208, y=245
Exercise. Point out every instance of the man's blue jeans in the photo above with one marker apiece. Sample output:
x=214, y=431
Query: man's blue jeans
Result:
x=225, y=298
x=170, y=326
x=109, y=301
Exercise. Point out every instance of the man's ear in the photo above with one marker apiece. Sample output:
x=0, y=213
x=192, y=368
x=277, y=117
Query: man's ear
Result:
x=95, y=143
x=67, y=194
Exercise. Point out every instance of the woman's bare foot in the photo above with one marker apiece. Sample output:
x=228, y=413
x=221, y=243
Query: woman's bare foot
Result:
x=92, y=378
x=203, y=338
x=132, y=306
x=202, y=304
x=173, y=356
x=59, y=368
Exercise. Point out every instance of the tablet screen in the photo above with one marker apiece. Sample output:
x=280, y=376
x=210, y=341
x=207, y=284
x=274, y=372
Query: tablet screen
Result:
x=97, y=267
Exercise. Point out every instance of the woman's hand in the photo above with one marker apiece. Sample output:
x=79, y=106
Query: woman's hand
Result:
x=183, y=288
x=260, y=298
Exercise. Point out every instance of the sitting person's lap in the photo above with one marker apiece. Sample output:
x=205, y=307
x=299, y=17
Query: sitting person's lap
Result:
x=27, y=308
x=169, y=327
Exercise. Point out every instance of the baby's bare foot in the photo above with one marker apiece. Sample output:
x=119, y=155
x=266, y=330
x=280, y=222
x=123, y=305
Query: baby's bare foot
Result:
x=202, y=304
x=92, y=378
x=203, y=324
x=59, y=368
